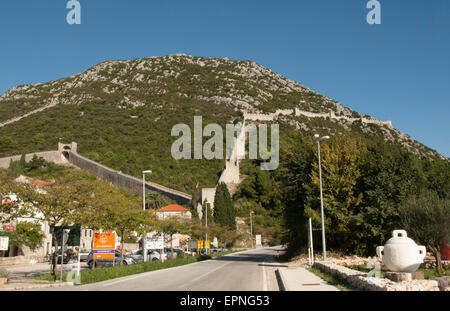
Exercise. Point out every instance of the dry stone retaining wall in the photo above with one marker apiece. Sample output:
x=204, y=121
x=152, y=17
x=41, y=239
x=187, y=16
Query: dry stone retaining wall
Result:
x=360, y=280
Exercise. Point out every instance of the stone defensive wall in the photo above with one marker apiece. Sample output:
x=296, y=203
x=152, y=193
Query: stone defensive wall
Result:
x=131, y=183
x=67, y=154
x=49, y=156
x=297, y=112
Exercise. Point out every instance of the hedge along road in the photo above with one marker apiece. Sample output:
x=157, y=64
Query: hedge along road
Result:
x=243, y=271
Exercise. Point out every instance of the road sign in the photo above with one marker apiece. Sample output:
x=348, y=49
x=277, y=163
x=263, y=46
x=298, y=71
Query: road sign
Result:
x=10, y=228
x=74, y=235
x=203, y=247
x=104, y=245
x=4, y=241
x=258, y=240
x=154, y=243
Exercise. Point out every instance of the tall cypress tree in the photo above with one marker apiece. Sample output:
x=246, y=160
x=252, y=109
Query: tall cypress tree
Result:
x=224, y=213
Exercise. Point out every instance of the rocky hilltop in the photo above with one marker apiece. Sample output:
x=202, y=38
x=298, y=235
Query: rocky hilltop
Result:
x=163, y=82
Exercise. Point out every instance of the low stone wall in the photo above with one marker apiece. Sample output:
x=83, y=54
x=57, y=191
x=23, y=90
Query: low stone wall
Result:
x=360, y=280
x=21, y=260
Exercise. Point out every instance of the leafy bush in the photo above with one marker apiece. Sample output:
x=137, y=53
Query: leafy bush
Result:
x=4, y=273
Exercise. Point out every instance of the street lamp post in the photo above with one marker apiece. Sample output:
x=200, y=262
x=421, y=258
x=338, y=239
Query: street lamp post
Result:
x=65, y=236
x=251, y=228
x=144, y=246
x=143, y=186
x=319, y=140
x=206, y=224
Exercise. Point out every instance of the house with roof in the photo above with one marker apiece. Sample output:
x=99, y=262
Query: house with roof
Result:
x=173, y=211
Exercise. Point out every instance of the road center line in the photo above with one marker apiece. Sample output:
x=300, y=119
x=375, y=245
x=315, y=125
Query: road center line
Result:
x=204, y=275
x=264, y=276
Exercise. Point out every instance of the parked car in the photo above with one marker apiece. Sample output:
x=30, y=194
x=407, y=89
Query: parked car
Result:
x=84, y=254
x=68, y=256
x=176, y=251
x=127, y=260
x=152, y=255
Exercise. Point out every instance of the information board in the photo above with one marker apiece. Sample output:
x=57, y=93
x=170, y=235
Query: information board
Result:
x=258, y=240
x=4, y=241
x=154, y=243
x=104, y=245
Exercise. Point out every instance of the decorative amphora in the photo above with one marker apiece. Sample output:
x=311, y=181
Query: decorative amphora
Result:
x=400, y=253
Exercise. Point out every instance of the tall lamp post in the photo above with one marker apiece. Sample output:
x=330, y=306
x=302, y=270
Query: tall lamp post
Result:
x=251, y=228
x=319, y=140
x=206, y=224
x=144, y=242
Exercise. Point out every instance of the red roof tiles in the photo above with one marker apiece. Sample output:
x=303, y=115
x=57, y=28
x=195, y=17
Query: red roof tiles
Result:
x=173, y=208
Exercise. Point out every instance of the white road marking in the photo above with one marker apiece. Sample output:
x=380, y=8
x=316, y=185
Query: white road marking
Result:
x=264, y=277
x=204, y=275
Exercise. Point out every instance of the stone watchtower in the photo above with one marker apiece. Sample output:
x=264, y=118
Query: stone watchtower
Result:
x=64, y=149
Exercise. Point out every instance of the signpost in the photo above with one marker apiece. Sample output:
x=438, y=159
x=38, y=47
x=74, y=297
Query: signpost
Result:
x=10, y=228
x=104, y=245
x=65, y=237
x=258, y=240
x=4, y=241
x=154, y=243
x=203, y=247
x=73, y=239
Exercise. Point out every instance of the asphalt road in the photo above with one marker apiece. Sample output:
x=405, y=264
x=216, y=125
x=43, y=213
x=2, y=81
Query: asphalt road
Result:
x=243, y=271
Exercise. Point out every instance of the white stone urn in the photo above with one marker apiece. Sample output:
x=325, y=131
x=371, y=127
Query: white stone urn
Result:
x=400, y=253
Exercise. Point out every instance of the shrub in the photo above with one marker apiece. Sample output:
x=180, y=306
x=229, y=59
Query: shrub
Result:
x=4, y=273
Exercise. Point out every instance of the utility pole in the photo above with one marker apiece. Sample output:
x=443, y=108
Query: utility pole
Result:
x=206, y=212
x=65, y=235
x=251, y=228
x=144, y=238
x=319, y=140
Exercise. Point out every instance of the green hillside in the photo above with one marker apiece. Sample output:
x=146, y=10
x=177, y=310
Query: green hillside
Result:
x=121, y=114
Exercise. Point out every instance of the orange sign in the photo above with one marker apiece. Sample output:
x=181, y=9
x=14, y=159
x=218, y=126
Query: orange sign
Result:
x=104, y=245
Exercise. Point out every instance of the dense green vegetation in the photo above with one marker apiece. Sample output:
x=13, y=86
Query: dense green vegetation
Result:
x=365, y=182
x=109, y=135
x=427, y=218
x=224, y=212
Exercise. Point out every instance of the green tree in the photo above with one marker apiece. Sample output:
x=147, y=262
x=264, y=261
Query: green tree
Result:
x=426, y=218
x=155, y=201
x=340, y=172
x=56, y=206
x=224, y=213
x=168, y=227
x=226, y=236
x=125, y=220
x=27, y=234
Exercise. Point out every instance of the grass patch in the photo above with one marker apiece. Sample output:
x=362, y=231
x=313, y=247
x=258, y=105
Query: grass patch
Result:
x=432, y=273
x=335, y=280
x=107, y=273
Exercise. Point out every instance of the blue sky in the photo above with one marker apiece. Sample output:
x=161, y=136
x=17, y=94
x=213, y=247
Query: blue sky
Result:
x=399, y=70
